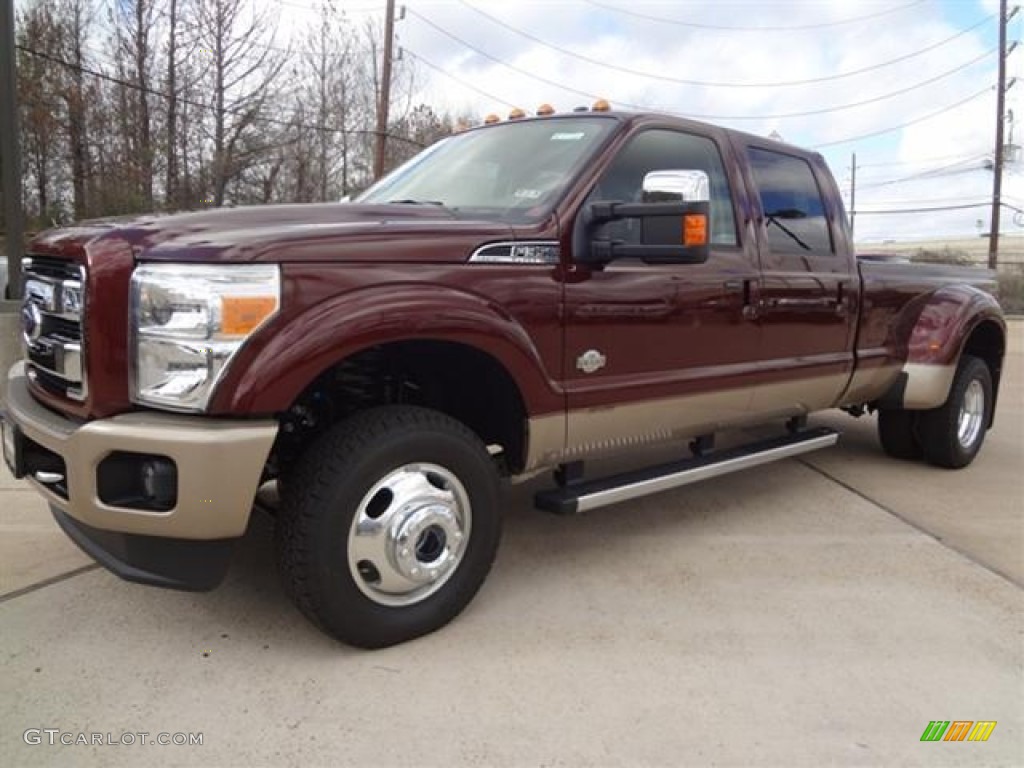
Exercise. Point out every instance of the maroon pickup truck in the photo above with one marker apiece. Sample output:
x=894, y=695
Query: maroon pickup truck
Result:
x=521, y=297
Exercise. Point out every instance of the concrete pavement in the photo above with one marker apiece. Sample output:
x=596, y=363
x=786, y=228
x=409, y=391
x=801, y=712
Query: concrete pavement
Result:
x=806, y=613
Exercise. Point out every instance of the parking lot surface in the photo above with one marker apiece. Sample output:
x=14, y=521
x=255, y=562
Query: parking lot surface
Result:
x=811, y=612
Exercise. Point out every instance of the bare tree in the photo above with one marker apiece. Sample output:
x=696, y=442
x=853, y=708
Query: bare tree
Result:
x=172, y=194
x=189, y=103
x=134, y=25
x=39, y=83
x=243, y=68
x=75, y=16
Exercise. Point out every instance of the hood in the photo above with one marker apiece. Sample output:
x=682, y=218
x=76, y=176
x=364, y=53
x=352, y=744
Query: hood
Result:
x=283, y=233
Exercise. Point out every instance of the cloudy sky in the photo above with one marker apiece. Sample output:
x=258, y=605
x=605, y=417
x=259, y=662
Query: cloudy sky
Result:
x=909, y=85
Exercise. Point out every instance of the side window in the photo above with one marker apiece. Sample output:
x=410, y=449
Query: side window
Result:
x=791, y=200
x=662, y=150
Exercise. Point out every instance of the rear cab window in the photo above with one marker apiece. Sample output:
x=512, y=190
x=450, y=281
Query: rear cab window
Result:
x=792, y=203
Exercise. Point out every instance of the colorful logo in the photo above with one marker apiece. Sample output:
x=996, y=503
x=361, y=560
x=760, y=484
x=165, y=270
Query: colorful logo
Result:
x=958, y=730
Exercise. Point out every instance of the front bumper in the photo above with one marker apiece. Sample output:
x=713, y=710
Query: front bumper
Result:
x=219, y=465
x=186, y=564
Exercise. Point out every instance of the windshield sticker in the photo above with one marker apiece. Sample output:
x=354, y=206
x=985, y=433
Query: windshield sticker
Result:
x=568, y=136
x=527, y=194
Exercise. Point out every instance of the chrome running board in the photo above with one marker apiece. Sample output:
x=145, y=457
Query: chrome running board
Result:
x=584, y=496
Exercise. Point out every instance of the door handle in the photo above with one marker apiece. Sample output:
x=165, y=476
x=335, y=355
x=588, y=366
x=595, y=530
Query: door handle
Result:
x=842, y=300
x=749, y=290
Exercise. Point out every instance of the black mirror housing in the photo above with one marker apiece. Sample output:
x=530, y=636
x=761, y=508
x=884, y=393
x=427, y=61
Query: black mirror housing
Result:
x=671, y=232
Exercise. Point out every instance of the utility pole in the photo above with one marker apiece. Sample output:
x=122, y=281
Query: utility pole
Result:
x=997, y=176
x=853, y=191
x=385, y=90
x=9, y=151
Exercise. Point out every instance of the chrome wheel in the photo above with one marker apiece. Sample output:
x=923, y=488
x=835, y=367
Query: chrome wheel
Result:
x=970, y=421
x=409, y=534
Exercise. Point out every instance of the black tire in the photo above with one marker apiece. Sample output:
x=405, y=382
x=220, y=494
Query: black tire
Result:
x=897, y=432
x=330, y=486
x=944, y=442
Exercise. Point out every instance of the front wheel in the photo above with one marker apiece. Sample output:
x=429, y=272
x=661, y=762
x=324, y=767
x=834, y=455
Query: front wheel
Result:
x=390, y=525
x=952, y=434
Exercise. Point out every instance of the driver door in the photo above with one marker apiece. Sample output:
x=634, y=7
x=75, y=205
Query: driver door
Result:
x=657, y=352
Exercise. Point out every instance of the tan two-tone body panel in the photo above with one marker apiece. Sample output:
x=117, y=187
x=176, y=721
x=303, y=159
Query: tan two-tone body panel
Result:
x=219, y=464
x=915, y=323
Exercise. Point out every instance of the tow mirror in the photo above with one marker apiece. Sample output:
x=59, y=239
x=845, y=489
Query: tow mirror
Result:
x=673, y=222
x=676, y=186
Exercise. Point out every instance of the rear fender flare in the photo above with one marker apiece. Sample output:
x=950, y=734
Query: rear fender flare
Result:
x=936, y=342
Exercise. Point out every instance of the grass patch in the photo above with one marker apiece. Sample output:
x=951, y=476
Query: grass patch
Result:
x=1011, y=292
x=945, y=255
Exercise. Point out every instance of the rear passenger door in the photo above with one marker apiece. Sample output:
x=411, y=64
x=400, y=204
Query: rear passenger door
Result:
x=809, y=288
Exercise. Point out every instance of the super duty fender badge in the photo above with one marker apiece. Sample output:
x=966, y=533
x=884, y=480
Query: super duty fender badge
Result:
x=591, y=361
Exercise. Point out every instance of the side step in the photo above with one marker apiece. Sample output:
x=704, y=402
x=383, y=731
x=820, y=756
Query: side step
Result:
x=584, y=496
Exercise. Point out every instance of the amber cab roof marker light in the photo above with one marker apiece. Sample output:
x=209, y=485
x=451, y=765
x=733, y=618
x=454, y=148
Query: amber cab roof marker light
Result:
x=491, y=119
x=601, y=105
x=544, y=110
x=516, y=114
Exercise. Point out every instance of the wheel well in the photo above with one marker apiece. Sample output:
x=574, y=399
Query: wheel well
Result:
x=456, y=379
x=988, y=343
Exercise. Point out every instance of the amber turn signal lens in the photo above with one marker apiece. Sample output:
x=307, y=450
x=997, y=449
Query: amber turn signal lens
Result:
x=695, y=229
x=242, y=314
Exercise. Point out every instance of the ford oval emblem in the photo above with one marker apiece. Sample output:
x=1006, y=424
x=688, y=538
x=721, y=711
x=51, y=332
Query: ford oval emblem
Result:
x=31, y=322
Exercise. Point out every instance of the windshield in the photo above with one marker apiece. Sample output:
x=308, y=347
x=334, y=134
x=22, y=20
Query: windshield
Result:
x=513, y=171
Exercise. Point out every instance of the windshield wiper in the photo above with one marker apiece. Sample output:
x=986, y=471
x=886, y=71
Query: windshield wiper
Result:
x=412, y=201
x=788, y=213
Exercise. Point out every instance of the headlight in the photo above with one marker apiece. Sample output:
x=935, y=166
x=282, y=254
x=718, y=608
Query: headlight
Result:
x=188, y=320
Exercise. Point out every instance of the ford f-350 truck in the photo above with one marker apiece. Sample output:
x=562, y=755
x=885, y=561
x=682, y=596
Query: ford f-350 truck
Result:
x=521, y=297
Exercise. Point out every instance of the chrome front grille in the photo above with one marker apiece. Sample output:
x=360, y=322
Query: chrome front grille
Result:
x=52, y=318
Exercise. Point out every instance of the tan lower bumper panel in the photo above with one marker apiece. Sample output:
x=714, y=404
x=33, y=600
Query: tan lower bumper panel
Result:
x=98, y=466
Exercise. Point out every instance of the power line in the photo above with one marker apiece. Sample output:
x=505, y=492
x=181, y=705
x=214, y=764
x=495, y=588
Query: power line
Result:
x=200, y=105
x=911, y=203
x=904, y=125
x=705, y=83
x=792, y=28
x=824, y=110
x=930, y=173
x=503, y=63
x=913, y=162
x=642, y=107
x=459, y=80
x=963, y=207
x=854, y=104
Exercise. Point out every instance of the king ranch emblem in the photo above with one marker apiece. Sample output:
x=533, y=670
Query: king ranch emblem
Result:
x=591, y=361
